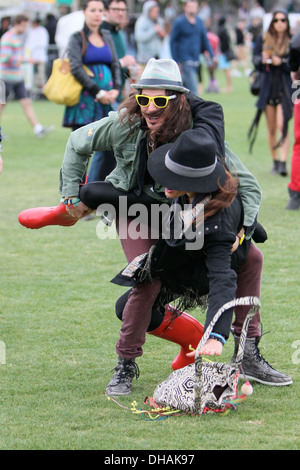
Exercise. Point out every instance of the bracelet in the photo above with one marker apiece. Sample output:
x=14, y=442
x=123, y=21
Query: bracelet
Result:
x=218, y=337
x=70, y=201
x=241, y=236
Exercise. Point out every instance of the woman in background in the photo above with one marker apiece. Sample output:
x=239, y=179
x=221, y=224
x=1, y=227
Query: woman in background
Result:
x=270, y=56
x=95, y=49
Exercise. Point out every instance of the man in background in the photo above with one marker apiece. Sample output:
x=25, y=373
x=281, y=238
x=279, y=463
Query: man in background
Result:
x=115, y=21
x=188, y=40
x=11, y=59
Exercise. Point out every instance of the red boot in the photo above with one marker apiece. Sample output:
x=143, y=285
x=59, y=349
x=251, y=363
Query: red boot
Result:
x=185, y=330
x=39, y=217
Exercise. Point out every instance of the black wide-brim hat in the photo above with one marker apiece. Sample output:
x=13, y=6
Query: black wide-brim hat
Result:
x=189, y=164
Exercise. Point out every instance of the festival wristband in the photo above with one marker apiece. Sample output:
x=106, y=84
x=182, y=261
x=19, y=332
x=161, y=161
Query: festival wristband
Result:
x=241, y=236
x=218, y=337
x=70, y=201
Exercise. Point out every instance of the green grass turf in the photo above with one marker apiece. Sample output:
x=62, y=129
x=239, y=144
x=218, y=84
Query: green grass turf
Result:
x=57, y=322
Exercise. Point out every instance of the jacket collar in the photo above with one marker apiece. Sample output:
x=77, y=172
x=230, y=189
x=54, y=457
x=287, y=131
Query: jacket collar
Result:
x=109, y=27
x=88, y=32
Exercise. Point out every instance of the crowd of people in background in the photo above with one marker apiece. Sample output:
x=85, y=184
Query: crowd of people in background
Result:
x=200, y=39
x=148, y=34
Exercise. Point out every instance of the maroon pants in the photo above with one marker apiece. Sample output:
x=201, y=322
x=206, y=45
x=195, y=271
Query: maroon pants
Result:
x=248, y=283
x=137, y=312
x=136, y=318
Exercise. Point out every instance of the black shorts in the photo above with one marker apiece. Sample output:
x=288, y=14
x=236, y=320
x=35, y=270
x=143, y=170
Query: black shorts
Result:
x=18, y=89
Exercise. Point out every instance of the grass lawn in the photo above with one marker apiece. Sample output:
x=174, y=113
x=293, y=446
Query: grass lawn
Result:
x=58, y=328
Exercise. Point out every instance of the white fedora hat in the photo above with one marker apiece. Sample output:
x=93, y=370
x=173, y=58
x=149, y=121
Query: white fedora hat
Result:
x=161, y=74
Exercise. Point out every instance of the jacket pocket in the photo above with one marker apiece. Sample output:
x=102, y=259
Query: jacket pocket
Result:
x=127, y=165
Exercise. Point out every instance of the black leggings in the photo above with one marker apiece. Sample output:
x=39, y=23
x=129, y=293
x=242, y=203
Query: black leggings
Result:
x=102, y=192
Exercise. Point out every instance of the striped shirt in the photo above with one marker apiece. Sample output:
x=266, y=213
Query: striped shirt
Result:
x=11, y=55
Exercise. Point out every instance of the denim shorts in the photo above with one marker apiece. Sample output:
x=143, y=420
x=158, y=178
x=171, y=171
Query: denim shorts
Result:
x=18, y=89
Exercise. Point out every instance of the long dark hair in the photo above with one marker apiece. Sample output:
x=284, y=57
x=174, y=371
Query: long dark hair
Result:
x=271, y=36
x=178, y=117
x=223, y=197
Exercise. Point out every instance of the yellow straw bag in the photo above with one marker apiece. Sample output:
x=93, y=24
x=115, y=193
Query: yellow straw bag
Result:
x=62, y=87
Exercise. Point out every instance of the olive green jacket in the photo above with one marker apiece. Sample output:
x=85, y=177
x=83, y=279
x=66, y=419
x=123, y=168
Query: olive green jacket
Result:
x=110, y=134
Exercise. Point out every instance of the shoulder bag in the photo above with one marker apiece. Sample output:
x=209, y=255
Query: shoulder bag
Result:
x=62, y=87
x=255, y=79
x=205, y=387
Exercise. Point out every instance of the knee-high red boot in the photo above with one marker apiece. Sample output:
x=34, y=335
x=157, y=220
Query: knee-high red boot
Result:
x=39, y=217
x=185, y=330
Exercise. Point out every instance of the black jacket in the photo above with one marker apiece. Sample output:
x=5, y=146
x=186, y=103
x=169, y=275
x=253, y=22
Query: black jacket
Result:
x=209, y=116
x=210, y=270
x=76, y=51
x=188, y=275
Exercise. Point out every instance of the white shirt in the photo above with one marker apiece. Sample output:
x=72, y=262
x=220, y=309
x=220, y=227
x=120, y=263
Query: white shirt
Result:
x=36, y=44
x=66, y=26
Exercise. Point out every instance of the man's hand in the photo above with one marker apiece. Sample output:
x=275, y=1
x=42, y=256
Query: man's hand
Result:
x=80, y=211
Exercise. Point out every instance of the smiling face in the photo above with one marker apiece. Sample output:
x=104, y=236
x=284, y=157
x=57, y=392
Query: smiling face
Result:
x=154, y=117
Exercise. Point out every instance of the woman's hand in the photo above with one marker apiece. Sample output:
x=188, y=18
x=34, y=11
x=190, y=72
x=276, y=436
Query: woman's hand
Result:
x=276, y=60
x=109, y=97
x=212, y=347
x=80, y=211
x=266, y=57
x=238, y=240
x=113, y=94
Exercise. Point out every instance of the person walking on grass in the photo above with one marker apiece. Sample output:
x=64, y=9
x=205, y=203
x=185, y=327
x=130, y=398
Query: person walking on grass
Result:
x=188, y=40
x=11, y=59
x=270, y=56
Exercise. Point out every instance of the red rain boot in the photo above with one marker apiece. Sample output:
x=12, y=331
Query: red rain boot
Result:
x=39, y=217
x=185, y=330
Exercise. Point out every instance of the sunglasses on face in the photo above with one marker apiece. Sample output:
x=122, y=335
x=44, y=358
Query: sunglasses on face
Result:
x=119, y=10
x=282, y=20
x=159, y=101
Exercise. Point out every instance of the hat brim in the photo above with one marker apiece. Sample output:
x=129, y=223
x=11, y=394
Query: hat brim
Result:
x=141, y=86
x=166, y=178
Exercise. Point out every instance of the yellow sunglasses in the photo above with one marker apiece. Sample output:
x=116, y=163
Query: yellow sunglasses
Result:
x=159, y=101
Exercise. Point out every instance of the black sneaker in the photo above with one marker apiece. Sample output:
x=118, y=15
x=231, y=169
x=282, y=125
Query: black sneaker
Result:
x=121, y=383
x=257, y=368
